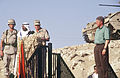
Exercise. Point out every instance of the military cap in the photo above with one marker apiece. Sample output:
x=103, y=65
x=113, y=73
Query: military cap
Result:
x=11, y=21
x=36, y=22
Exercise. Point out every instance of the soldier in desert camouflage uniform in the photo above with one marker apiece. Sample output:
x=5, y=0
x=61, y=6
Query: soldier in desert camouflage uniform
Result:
x=43, y=36
x=9, y=47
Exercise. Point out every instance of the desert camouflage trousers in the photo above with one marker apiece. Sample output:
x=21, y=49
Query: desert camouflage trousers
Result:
x=9, y=62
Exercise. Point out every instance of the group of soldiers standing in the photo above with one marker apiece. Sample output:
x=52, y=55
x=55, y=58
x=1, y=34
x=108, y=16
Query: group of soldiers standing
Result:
x=9, y=42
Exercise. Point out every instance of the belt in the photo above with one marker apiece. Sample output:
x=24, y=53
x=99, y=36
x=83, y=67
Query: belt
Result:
x=8, y=44
x=14, y=45
x=100, y=44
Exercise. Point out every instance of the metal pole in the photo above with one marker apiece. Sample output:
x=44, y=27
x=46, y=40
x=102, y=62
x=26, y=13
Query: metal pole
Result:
x=58, y=66
x=49, y=60
x=39, y=60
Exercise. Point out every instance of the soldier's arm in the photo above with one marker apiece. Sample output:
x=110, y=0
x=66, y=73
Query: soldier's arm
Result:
x=1, y=44
x=47, y=37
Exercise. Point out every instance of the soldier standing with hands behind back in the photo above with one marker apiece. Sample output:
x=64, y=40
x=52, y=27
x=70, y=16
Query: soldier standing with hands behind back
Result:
x=9, y=48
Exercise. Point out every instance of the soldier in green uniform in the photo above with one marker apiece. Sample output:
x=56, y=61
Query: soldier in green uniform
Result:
x=9, y=47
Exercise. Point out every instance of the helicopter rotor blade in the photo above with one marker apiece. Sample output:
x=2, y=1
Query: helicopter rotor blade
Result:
x=109, y=5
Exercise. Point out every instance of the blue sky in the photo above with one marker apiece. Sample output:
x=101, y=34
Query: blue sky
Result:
x=64, y=19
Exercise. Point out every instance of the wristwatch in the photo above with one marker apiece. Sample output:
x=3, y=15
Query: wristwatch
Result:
x=104, y=48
